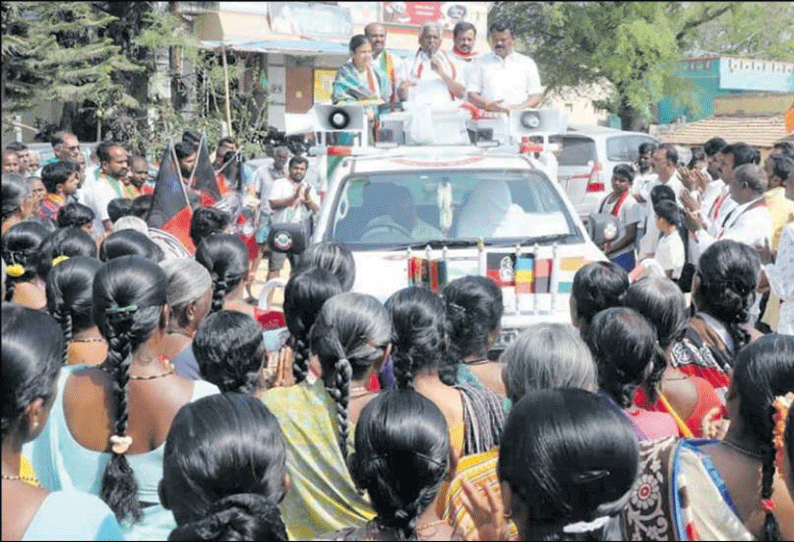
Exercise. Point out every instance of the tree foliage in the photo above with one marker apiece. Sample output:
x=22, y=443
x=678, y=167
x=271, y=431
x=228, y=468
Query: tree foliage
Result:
x=634, y=46
x=101, y=60
x=60, y=51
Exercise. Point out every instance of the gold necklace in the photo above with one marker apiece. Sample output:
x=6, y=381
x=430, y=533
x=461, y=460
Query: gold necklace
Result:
x=170, y=371
x=31, y=480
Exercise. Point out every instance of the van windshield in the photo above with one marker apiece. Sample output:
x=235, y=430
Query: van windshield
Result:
x=397, y=209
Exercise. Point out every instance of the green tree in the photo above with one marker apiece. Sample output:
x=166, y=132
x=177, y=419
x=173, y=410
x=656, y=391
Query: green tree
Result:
x=635, y=46
x=81, y=67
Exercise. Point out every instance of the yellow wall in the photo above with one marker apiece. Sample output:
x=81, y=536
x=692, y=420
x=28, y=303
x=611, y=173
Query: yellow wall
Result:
x=752, y=104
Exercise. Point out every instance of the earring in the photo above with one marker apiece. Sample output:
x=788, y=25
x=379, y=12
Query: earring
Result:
x=508, y=514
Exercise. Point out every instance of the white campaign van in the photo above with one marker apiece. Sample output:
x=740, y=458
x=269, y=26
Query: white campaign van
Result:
x=425, y=215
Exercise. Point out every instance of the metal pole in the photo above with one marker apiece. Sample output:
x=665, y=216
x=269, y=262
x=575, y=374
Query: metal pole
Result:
x=226, y=83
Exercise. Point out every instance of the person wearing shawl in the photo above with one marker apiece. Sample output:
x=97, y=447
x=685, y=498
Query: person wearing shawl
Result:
x=433, y=77
x=391, y=65
x=357, y=81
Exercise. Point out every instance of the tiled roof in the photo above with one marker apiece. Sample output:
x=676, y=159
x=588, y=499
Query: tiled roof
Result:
x=756, y=131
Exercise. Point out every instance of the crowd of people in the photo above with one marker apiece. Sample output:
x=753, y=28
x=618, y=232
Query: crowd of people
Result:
x=146, y=398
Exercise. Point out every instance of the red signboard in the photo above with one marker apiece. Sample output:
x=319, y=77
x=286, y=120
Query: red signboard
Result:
x=418, y=13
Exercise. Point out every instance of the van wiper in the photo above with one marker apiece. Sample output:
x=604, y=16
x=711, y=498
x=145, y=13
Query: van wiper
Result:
x=435, y=244
x=529, y=241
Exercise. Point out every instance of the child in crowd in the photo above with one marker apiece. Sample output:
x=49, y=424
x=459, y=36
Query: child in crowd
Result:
x=670, y=251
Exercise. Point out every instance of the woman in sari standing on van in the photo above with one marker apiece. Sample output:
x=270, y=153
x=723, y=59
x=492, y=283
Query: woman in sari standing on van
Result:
x=357, y=81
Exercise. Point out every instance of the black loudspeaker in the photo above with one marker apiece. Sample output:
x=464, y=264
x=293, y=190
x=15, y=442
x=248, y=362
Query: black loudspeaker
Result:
x=340, y=118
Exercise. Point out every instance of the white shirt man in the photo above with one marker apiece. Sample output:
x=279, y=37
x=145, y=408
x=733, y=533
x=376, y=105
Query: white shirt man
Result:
x=464, y=35
x=432, y=76
x=504, y=80
x=665, y=158
x=291, y=199
x=749, y=222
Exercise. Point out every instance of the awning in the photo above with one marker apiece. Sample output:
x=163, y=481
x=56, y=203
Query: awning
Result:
x=302, y=47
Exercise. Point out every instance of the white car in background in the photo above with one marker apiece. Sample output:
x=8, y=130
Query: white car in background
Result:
x=589, y=154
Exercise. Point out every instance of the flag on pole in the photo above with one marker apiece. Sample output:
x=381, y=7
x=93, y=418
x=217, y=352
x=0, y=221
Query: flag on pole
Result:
x=567, y=269
x=501, y=268
x=203, y=179
x=525, y=274
x=170, y=209
x=543, y=275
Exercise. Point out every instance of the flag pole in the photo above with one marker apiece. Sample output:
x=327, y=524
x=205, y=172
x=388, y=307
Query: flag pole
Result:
x=226, y=86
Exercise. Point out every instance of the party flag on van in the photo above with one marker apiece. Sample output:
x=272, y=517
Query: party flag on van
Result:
x=543, y=275
x=500, y=268
x=525, y=274
x=566, y=271
x=170, y=209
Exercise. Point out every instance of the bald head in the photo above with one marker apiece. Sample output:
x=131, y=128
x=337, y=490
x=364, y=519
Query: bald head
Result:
x=10, y=161
x=376, y=34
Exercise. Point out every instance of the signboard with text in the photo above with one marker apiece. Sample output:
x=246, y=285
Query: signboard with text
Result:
x=419, y=13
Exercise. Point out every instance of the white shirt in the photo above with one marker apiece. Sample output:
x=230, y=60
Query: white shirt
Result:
x=430, y=87
x=710, y=195
x=642, y=185
x=464, y=67
x=263, y=180
x=284, y=188
x=511, y=79
x=781, y=279
x=650, y=240
x=749, y=223
x=718, y=210
x=670, y=253
x=630, y=212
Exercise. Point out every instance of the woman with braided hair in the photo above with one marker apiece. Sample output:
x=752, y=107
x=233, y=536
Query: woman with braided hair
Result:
x=400, y=432
x=568, y=478
x=226, y=258
x=474, y=310
x=224, y=470
x=623, y=345
x=304, y=295
x=474, y=414
x=230, y=352
x=107, y=428
x=351, y=337
x=63, y=242
x=70, y=300
x=20, y=251
x=723, y=290
x=31, y=363
x=725, y=489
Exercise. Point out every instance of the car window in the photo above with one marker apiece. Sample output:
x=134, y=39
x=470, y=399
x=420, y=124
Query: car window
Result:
x=378, y=210
x=577, y=151
x=625, y=148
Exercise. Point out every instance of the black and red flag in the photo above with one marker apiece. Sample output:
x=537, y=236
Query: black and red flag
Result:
x=203, y=179
x=171, y=210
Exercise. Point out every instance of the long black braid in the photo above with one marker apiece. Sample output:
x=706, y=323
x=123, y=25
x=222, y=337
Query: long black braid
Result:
x=119, y=486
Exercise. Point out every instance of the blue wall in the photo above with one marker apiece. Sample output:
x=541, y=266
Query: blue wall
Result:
x=720, y=76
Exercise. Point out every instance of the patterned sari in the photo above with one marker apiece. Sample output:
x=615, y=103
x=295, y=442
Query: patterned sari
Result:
x=349, y=87
x=679, y=495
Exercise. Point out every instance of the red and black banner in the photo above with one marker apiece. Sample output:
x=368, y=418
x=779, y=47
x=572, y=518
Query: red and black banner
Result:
x=171, y=210
x=203, y=178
